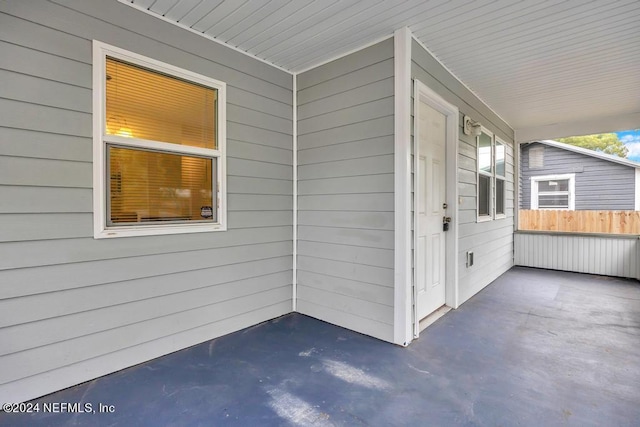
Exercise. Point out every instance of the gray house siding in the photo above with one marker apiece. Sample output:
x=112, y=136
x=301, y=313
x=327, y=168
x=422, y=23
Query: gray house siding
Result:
x=492, y=241
x=345, y=191
x=600, y=184
x=73, y=308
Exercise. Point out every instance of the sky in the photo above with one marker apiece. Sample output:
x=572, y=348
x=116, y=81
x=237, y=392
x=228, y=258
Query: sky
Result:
x=631, y=138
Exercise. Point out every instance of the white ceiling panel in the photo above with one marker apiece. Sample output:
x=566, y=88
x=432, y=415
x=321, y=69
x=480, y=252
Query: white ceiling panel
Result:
x=536, y=63
x=161, y=7
x=179, y=9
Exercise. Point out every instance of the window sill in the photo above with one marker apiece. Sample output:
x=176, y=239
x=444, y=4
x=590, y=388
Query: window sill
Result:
x=134, y=231
x=484, y=219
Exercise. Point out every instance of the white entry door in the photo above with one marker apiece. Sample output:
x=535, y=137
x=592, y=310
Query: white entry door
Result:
x=431, y=137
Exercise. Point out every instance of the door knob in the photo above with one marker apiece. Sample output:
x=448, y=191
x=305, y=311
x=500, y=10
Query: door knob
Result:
x=446, y=219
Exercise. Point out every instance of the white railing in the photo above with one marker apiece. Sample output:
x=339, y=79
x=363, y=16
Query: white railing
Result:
x=605, y=254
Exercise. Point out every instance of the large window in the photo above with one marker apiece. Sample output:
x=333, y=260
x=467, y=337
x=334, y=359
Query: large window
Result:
x=553, y=192
x=159, y=147
x=491, y=176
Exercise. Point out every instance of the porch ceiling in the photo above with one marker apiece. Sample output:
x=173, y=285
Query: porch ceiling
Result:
x=538, y=64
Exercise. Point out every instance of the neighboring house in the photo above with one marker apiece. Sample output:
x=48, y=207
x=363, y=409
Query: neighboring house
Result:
x=562, y=176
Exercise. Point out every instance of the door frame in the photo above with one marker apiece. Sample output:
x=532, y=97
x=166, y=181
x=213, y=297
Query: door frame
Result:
x=422, y=92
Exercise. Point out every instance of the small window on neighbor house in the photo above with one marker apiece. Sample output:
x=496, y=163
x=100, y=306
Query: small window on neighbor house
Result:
x=159, y=144
x=536, y=157
x=553, y=192
x=485, y=174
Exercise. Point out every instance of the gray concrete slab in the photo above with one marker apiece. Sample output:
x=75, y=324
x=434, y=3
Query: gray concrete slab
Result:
x=535, y=348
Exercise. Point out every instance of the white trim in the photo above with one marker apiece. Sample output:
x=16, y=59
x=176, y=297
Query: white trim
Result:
x=343, y=54
x=427, y=95
x=572, y=189
x=422, y=45
x=99, y=79
x=533, y=192
x=637, y=204
x=402, y=332
x=100, y=140
x=167, y=147
x=294, y=296
x=516, y=185
x=201, y=34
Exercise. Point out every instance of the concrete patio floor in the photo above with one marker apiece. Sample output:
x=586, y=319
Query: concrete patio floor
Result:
x=535, y=348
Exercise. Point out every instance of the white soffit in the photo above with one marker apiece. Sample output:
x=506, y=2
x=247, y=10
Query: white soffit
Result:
x=536, y=63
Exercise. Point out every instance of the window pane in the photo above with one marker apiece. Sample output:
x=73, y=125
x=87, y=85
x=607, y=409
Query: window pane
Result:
x=500, y=152
x=147, y=186
x=553, y=201
x=149, y=105
x=484, y=153
x=553, y=185
x=499, y=197
x=484, y=195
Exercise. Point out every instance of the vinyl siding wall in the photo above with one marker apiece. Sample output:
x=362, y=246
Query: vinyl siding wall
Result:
x=600, y=184
x=492, y=241
x=73, y=308
x=345, y=191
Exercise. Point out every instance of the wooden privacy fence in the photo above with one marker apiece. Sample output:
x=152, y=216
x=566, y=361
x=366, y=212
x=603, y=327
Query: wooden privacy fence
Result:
x=613, y=222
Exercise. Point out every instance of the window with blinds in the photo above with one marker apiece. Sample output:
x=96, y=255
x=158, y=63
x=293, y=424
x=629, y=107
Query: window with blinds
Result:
x=149, y=186
x=160, y=147
x=146, y=104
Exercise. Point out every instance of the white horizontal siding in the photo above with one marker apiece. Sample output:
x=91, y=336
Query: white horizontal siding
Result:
x=345, y=192
x=66, y=321
x=73, y=308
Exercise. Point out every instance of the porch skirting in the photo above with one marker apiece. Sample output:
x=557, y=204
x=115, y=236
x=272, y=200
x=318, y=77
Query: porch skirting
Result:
x=605, y=254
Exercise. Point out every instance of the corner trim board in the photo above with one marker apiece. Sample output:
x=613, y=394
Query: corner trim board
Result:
x=403, y=308
x=294, y=280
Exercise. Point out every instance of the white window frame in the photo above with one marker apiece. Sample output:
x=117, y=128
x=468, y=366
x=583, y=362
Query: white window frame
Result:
x=488, y=217
x=101, y=139
x=571, y=192
x=497, y=141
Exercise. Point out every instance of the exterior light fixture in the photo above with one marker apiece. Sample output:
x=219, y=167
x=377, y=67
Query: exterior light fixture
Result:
x=471, y=127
